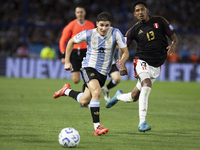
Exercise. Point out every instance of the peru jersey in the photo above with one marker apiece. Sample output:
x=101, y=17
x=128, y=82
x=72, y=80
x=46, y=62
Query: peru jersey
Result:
x=101, y=49
x=151, y=39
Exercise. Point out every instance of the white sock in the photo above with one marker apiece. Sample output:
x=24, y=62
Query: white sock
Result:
x=143, y=103
x=114, y=82
x=67, y=91
x=96, y=125
x=125, y=97
x=79, y=97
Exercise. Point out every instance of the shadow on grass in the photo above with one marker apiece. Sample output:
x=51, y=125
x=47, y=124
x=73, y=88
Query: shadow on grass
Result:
x=26, y=138
x=171, y=134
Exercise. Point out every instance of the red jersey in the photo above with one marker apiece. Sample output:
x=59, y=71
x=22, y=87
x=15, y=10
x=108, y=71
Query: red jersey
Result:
x=70, y=30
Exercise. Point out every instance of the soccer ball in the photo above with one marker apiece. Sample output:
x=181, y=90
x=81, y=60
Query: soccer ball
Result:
x=69, y=137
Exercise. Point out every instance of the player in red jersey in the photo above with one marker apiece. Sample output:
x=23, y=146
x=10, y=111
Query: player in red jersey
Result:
x=79, y=50
x=152, y=48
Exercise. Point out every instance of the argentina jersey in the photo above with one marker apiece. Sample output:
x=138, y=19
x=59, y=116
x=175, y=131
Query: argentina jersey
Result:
x=101, y=49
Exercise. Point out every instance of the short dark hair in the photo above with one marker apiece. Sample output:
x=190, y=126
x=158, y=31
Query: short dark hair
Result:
x=104, y=16
x=138, y=2
x=80, y=6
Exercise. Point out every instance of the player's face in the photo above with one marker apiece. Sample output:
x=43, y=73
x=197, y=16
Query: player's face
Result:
x=80, y=13
x=103, y=27
x=141, y=13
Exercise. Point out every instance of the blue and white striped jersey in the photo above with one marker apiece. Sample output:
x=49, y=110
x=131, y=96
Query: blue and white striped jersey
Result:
x=101, y=49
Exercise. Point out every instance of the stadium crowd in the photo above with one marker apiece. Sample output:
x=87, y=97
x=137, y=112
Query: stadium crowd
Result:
x=40, y=22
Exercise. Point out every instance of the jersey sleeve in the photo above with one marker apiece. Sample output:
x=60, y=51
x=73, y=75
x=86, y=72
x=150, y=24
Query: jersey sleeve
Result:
x=66, y=33
x=129, y=36
x=169, y=29
x=80, y=37
x=121, y=42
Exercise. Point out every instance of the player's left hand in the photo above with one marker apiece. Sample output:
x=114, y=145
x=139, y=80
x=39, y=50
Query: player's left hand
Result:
x=171, y=49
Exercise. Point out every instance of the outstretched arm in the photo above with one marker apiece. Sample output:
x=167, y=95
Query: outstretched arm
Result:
x=171, y=48
x=70, y=45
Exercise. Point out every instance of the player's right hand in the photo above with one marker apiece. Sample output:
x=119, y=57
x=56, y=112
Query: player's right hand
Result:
x=68, y=66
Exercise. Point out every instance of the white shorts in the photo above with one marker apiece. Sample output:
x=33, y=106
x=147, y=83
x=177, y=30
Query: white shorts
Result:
x=142, y=71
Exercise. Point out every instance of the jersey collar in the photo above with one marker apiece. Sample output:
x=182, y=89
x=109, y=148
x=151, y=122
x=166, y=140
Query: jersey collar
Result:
x=80, y=23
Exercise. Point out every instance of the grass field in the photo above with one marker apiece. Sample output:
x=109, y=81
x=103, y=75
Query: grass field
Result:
x=30, y=119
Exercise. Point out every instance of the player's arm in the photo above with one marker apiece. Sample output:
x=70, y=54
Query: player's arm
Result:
x=62, y=43
x=171, y=48
x=170, y=32
x=123, y=56
x=70, y=45
x=78, y=38
x=121, y=43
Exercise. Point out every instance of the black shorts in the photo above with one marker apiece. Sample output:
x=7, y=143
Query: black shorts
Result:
x=76, y=58
x=113, y=69
x=90, y=73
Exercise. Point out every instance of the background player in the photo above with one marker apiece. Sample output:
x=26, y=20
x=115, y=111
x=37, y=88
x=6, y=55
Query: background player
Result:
x=96, y=65
x=152, y=49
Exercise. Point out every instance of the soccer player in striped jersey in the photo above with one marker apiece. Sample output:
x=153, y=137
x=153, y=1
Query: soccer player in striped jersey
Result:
x=102, y=42
x=152, y=48
x=79, y=50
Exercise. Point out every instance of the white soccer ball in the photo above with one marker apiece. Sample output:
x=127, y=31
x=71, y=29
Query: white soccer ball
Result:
x=69, y=137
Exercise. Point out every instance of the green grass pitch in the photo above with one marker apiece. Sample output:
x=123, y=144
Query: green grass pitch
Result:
x=30, y=119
